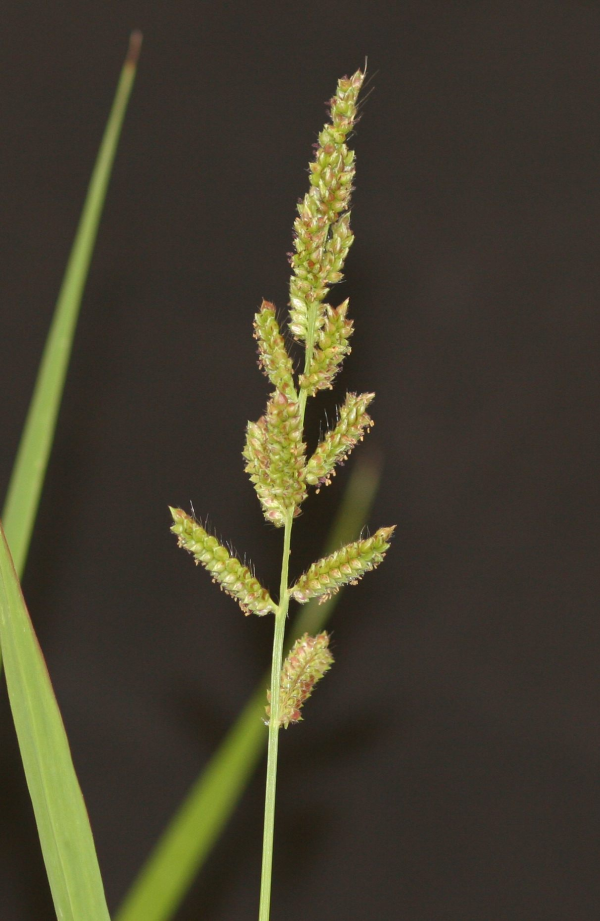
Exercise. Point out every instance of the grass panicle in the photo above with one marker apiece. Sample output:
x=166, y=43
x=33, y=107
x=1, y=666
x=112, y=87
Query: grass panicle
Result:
x=275, y=455
x=275, y=452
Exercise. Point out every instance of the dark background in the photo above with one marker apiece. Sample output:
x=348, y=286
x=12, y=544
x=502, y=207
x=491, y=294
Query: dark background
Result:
x=448, y=767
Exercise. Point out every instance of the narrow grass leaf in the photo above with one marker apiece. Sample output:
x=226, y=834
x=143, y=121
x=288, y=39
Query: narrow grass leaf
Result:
x=60, y=813
x=181, y=851
x=34, y=449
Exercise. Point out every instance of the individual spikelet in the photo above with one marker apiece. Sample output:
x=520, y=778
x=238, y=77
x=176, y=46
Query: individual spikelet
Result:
x=338, y=442
x=273, y=356
x=306, y=663
x=275, y=458
x=232, y=576
x=347, y=565
x=322, y=233
x=331, y=347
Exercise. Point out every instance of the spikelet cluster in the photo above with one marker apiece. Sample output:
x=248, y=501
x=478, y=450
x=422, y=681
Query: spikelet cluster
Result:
x=331, y=347
x=275, y=458
x=338, y=442
x=346, y=566
x=273, y=357
x=307, y=662
x=322, y=228
x=232, y=576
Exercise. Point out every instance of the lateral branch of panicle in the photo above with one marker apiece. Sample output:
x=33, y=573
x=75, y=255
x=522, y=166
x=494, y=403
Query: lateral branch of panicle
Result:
x=306, y=663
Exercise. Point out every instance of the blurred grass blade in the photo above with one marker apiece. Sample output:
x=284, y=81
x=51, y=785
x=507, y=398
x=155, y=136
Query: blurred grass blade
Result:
x=60, y=813
x=32, y=458
x=186, y=842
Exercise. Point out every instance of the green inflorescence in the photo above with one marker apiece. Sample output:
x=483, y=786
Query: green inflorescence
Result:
x=275, y=452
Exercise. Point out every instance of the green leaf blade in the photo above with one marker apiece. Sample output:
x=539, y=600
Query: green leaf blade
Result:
x=60, y=813
x=27, y=478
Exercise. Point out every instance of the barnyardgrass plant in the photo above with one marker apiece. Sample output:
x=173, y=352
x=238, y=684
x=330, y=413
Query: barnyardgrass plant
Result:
x=277, y=461
x=281, y=483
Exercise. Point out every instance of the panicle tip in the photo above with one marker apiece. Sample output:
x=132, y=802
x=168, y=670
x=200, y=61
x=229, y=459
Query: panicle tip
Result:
x=177, y=514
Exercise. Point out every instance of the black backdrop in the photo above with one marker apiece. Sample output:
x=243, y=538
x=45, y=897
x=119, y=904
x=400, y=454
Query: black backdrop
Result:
x=448, y=766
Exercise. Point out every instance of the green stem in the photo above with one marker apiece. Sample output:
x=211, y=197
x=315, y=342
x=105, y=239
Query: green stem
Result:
x=280, y=619
x=276, y=663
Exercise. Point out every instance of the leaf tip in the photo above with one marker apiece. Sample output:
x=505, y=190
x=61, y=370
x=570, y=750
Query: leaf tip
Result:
x=135, y=47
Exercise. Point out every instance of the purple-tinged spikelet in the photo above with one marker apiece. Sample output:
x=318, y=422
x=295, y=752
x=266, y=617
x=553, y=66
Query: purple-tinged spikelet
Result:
x=232, y=576
x=346, y=566
x=306, y=663
x=338, y=442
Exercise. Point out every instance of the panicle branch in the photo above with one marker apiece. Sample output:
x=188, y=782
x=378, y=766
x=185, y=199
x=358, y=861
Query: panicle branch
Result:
x=306, y=663
x=346, y=566
x=273, y=356
x=331, y=347
x=338, y=442
x=232, y=576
